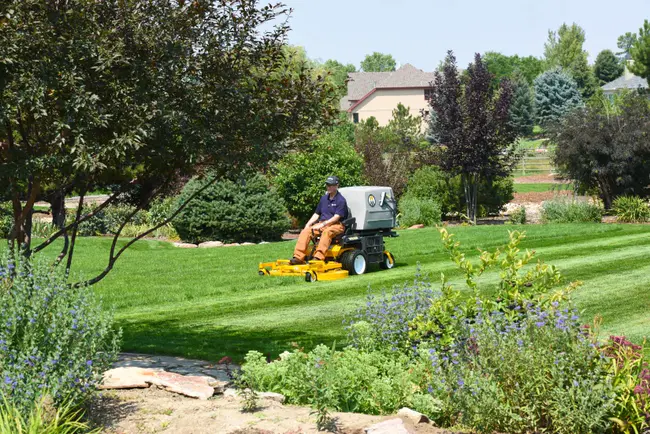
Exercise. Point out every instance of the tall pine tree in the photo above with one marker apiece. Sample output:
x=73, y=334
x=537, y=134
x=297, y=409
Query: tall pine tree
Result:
x=522, y=113
x=556, y=94
x=607, y=67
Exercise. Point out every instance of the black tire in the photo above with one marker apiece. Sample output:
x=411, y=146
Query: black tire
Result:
x=309, y=278
x=355, y=261
x=385, y=263
x=261, y=273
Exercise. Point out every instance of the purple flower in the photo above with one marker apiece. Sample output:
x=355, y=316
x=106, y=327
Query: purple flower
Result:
x=7, y=379
x=540, y=324
x=461, y=383
x=89, y=362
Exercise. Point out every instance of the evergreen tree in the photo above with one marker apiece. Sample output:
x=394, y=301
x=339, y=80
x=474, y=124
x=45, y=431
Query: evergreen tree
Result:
x=522, y=113
x=556, y=94
x=640, y=53
x=607, y=67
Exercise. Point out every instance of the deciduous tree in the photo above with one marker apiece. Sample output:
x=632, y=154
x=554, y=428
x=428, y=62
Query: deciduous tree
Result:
x=472, y=123
x=607, y=67
x=138, y=93
x=378, y=62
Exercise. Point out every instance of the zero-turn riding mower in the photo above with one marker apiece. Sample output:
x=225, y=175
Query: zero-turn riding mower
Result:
x=372, y=212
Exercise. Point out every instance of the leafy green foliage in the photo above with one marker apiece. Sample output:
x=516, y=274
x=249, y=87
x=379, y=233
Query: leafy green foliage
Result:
x=564, y=211
x=55, y=339
x=232, y=211
x=472, y=123
x=625, y=42
x=378, y=62
x=631, y=209
x=144, y=94
x=6, y=219
x=339, y=74
x=607, y=151
x=631, y=380
x=406, y=129
x=640, y=52
x=564, y=49
x=42, y=418
x=518, y=216
x=505, y=67
x=556, y=95
x=430, y=182
x=355, y=381
x=607, y=67
x=538, y=373
x=522, y=110
x=414, y=210
x=300, y=177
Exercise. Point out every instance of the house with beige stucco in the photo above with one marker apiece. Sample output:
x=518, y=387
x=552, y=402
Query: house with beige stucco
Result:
x=378, y=93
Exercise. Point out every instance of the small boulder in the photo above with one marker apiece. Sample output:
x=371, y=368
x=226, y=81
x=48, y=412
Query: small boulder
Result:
x=391, y=426
x=272, y=396
x=419, y=226
x=188, y=385
x=186, y=245
x=265, y=242
x=209, y=244
x=247, y=244
x=230, y=393
x=413, y=416
x=232, y=245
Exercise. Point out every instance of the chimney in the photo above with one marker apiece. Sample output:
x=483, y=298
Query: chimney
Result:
x=627, y=74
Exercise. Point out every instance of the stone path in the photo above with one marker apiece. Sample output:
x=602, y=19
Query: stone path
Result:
x=178, y=365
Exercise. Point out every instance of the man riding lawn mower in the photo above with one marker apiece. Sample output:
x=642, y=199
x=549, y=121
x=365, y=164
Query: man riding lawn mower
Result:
x=345, y=234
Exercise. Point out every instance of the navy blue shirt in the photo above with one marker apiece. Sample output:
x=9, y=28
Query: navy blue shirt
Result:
x=328, y=207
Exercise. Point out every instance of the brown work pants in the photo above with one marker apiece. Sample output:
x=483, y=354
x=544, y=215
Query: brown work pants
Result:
x=327, y=234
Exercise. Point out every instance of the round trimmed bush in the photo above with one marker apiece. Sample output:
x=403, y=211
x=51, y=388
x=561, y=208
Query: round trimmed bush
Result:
x=229, y=211
x=414, y=210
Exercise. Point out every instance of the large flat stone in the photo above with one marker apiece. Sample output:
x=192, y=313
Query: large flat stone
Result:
x=188, y=385
x=391, y=426
x=186, y=245
x=127, y=378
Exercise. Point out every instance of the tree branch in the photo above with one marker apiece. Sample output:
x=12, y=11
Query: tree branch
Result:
x=53, y=237
x=112, y=259
x=82, y=194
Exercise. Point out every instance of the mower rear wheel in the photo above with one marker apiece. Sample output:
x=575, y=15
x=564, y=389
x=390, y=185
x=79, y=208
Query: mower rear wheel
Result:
x=387, y=262
x=355, y=261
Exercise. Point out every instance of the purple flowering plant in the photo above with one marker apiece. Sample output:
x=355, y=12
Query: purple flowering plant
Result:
x=54, y=339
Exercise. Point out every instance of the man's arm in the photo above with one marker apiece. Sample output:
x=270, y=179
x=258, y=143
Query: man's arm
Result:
x=312, y=220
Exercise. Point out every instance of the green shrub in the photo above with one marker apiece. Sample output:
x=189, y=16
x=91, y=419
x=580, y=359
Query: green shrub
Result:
x=356, y=381
x=414, y=210
x=430, y=182
x=231, y=211
x=53, y=337
x=42, y=419
x=537, y=374
x=6, y=219
x=518, y=216
x=562, y=211
x=631, y=209
x=300, y=177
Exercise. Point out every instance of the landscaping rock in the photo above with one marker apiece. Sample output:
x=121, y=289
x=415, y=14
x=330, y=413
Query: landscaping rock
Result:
x=413, y=416
x=209, y=244
x=247, y=244
x=230, y=393
x=127, y=378
x=272, y=396
x=186, y=245
x=232, y=245
x=265, y=242
x=391, y=426
x=192, y=386
x=420, y=226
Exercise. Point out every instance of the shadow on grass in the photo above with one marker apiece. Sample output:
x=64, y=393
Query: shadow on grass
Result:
x=212, y=343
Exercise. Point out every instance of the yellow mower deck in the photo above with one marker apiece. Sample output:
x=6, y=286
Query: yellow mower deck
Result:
x=312, y=271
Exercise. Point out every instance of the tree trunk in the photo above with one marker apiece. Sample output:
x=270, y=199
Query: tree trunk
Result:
x=470, y=187
x=58, y=209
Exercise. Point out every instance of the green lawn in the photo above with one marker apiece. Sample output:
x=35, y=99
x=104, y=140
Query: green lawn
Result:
x=541, y=187
x=208, y=303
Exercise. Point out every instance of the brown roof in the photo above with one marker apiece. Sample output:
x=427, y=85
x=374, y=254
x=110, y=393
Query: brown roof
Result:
x=360, y=84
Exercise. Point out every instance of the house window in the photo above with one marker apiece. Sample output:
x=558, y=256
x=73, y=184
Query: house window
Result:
x=428, y=94
x=355, y=118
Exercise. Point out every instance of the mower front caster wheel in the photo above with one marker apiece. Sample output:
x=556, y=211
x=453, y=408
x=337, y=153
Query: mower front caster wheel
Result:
x=310, y=278
x=355, y=261
x=387, y=262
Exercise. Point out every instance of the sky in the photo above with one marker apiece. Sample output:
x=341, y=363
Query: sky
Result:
x=421, y=31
